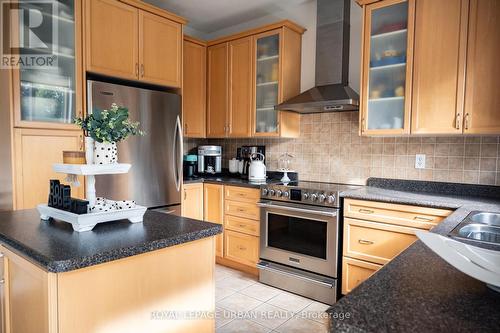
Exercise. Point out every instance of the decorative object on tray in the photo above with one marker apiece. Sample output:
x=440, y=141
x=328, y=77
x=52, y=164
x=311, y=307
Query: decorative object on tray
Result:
x=479, y=263
x=60, y=198
x=284, y=165
x=103, y=129
x=74, y=157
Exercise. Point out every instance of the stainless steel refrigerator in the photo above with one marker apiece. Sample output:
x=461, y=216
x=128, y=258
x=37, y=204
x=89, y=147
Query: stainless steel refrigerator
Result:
x=155, y=178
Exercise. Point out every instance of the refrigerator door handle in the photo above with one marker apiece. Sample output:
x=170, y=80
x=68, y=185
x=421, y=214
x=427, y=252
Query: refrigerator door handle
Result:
x=178, y=159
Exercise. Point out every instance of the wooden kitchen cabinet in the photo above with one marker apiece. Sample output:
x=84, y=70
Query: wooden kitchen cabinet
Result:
x=482, y=100
x=217, y=90
x=376, y=232
x=192, y=201
x=194, y=88
x=132, y=40
x=385, y=99
x=241, y=248
x=248, y=74
x=239, y=117
x=439, y=62
x=213, y=211
x=35, y=151
x=112, y=38
x=160, y=50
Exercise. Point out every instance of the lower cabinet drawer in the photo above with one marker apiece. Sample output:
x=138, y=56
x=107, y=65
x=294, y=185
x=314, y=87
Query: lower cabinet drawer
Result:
x=375, y=242
x=239, y=224
x=241, y=248
x=242, y=209
x=354, y=272
x=241, y=194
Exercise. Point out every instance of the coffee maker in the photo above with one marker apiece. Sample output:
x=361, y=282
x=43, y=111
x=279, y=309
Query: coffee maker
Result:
x=246, y=152
x=209, y=159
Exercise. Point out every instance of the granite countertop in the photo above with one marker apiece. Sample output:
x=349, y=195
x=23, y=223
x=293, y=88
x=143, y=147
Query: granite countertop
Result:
x=55, y=247
x=417, y=290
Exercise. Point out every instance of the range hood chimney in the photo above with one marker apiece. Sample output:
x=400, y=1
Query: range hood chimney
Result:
x=332, y=92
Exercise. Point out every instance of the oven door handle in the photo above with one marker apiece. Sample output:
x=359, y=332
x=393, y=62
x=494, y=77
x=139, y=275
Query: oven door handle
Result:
x=295, y=209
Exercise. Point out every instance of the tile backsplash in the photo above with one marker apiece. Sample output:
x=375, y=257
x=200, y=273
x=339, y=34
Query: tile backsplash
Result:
x=329, y=149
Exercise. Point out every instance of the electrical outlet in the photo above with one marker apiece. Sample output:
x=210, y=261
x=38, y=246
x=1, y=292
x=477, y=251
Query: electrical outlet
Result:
x=420, y=161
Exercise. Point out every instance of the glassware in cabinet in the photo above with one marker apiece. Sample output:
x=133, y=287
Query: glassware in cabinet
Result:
x=267, y=83
x=386, y=67
x=48, y=96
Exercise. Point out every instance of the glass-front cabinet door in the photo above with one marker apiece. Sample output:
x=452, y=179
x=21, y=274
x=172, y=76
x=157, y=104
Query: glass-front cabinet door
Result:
x=49, y=96
x=267, y=83
x=387, y=67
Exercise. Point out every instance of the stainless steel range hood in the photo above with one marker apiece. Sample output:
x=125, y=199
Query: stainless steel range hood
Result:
x=332, y=92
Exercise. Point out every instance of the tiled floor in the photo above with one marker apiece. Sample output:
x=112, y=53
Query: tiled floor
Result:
x=245, y=305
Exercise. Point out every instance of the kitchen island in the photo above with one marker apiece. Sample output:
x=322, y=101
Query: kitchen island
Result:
x=155, y=276
x=417, y=290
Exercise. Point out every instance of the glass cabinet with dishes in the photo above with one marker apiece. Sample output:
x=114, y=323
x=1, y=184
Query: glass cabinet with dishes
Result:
x=387, y=54
x=50, y=96
x=267, y=83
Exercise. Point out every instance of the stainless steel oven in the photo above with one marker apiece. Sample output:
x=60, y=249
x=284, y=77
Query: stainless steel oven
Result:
x=300, y=236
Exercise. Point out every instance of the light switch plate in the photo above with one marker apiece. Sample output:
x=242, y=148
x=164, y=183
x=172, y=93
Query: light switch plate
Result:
x=420, y=161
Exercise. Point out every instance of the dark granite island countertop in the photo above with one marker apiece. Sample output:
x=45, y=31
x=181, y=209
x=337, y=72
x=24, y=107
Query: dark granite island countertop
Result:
x=417, y=290
x=55, y=247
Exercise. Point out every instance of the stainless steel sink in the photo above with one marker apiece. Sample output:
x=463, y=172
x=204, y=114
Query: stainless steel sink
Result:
x=480, y=232
x=486, y=218
x=479, y=227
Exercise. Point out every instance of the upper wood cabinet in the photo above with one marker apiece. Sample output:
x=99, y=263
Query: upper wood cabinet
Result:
x=112, y=38
x=439, y=63
x=434, y=62
x=387, y=67
x=51, y=97
x=248, y=74
x=194, y=88
x=217, y=90
x=160, y=50
x=239, y=117
x=126, y=40
x=482, y=100
x=35, y=150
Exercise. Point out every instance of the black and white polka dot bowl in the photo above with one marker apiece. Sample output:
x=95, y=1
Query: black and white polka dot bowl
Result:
x=105, y=153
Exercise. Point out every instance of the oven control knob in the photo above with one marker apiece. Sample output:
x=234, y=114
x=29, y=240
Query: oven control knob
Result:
x=271, y=192
x=314, y=196
x=286, y=194
x=265, y=191
x=330, y=199
x=279, y=193
x=305, y=196
x=322, y=197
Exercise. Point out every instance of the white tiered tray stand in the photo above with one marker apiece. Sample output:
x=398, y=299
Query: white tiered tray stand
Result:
x=86, y=222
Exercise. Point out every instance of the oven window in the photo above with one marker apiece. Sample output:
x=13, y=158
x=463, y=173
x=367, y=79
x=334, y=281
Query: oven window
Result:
x=297, y=235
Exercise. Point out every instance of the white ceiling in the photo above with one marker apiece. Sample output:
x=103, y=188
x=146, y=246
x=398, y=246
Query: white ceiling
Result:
x=208, y=16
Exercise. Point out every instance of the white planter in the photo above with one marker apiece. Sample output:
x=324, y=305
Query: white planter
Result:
x=105, y=153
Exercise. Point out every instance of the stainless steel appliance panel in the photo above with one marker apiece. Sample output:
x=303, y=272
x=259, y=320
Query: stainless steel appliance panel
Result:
x=307, y=240
x=156, y=174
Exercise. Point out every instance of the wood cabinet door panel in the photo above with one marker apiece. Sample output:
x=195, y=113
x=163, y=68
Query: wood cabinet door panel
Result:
x=241, y=248
x=242, y=209
x=213, y=211
x=246, y=226
x=439, y=66
x=112, y=38
x=241, y=87
x=194, y=89
x=217, y=107
x=192, y=201
x=482, y=100
x=160, y=50
x=354, y=272
x=35, y=152
x=242, y=194
x=375, y=242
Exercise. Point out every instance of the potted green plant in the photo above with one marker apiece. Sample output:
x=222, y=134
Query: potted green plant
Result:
x=103, y=129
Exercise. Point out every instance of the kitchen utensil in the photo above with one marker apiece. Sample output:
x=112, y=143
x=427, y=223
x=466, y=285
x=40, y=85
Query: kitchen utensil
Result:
x=257, y=168
x=233, y=165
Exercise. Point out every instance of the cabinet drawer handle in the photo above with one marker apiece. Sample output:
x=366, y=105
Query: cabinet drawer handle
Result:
x=458, y=121
x=241, y=194
x=366, y=211
x=242, y=248
x=137, y=69
x=365, y=242
x=421, y=218
x=241, y=210
x=142, y=70
x=185, y=194
x=242, y=226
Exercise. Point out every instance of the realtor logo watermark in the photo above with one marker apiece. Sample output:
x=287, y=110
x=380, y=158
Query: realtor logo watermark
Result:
x=29, y=34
